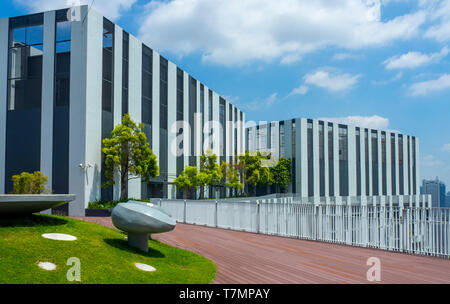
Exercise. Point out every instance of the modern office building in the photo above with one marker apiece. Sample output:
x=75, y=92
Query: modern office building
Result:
x=436, y=189
x=67, y=78
x=336, y=160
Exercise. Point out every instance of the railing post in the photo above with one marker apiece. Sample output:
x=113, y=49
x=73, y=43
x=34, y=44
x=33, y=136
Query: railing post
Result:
x=349, y=223
x=185, y=211
x=258, y=217
x=401, y=229
x=216, y=220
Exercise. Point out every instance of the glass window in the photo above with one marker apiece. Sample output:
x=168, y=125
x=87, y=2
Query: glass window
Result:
x=25, y=62
x=374, y=138
x=163, y=118
x=192, y=111
x=147, y=89
x=343, y=160
x=383, y=163
x=107, y=64
x=393, y=168
x=358, y=162
x=330, y=160
x=223, y=124
x=180, y=116
x=62, y=64
x=107, y=38
x=282, y=140
x=366, y=152
x=310, y=158
x=400, y=164
x=210, y=108
x=24, y=96
x=147, y=59
x=18, y=37
x=202, y=111
x=63, y=30
x=321, y=159
x=210, y=117
x=60, y=166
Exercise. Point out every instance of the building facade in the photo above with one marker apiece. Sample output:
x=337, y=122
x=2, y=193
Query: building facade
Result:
x=436, y=189
x=68, y=77
x=336, y=160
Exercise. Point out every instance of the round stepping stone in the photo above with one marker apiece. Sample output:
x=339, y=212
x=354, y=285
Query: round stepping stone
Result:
x=145, y=267
x=47, y=266
x=59, y=236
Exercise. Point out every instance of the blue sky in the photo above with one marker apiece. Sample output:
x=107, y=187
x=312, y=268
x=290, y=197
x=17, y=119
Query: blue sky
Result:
x=378, y=63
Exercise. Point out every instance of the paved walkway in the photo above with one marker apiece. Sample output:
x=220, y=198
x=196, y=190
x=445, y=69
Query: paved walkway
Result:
x=243, y=257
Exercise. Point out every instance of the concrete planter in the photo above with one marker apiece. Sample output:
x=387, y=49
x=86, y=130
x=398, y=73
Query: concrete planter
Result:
x=18, y=204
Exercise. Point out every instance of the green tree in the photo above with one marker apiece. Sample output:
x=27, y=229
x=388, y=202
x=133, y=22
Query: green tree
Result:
x=201, y=181
x=187, y=181
x=232, y=178
x=128, y=153
x=30, y=183
x=253, y=171
x=209, y=166
x=281, y=173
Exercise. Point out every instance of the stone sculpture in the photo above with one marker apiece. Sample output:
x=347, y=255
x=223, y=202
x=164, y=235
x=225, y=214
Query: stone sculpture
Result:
x=139, y=220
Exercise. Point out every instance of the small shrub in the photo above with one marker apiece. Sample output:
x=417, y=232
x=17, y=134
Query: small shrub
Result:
x=101, y=204
x=30, y=183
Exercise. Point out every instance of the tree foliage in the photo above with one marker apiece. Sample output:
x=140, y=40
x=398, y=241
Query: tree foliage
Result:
x=255, y=170
x=232, y=179
x=30, y=183
x=188, y=180
x=252, y=170
x=128, y=153
x=210, y=167
x=281, y=173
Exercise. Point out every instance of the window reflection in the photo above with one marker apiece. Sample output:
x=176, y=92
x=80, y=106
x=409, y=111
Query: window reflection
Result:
x=25, y=62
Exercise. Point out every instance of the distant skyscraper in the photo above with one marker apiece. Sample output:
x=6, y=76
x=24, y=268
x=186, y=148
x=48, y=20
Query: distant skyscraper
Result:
x=437, y=190
x=447, y=200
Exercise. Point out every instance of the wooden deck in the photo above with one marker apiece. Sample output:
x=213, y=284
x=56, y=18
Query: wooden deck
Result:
x=243, y=257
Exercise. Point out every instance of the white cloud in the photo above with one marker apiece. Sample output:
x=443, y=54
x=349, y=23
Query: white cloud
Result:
x=111, y=9
x=398, y=76
x=430, y=161
x=414, y=59
x=446, y=148
x=233, y=32
x=372, y=122
x=429, y=86
x=440, y=14
x=301, y=90
x=345, y=56
x=259, y=104
x=332, y=82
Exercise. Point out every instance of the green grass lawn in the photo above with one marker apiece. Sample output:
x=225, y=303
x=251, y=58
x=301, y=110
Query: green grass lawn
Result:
x=104, y=255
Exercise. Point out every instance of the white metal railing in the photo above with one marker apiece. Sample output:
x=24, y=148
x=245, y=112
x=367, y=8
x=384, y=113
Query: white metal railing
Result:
x=419, y=230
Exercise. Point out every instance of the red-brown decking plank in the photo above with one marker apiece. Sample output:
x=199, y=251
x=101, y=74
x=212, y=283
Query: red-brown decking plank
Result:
x=243, y=257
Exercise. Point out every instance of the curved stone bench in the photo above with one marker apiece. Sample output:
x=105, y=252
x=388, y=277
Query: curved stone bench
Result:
x=19, y=204
x=139, y=220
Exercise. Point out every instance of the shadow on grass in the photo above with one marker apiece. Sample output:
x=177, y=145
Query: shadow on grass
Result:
x=123, y=245
x=31, y=220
